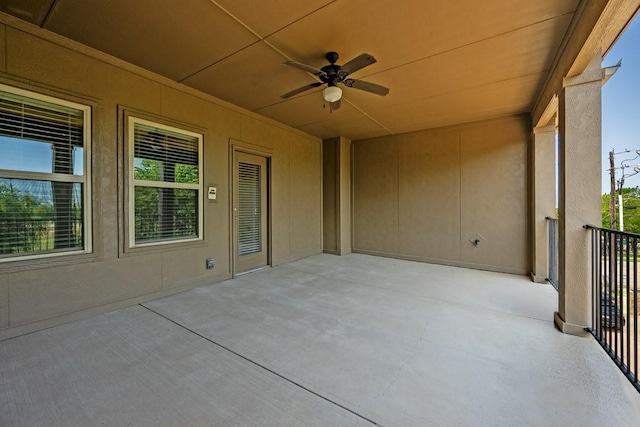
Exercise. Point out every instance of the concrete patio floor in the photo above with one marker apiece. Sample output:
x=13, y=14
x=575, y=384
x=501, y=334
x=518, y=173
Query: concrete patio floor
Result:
x=324, y=341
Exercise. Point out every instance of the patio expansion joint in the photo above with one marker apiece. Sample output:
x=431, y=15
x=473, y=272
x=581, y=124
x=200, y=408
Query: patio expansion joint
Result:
x=263, y=367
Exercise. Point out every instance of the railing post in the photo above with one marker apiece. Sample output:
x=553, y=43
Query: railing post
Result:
x=552, y=263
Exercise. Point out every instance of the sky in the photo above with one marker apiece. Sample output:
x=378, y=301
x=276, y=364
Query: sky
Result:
x=33, y=156
x=621, y=107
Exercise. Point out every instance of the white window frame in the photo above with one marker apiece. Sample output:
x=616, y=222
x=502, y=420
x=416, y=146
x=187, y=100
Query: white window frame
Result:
x=84, y=179
x=133, y=183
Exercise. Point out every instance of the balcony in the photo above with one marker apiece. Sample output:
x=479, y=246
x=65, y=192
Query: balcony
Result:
x=326, y=341
x=614, y=296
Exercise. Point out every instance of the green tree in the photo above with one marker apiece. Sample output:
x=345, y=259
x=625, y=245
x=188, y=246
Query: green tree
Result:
x=185, y=220
x=23, y=222
x=186, y=174
x=606, y=210
x=148, y=170
x=146, y=200
x=631, y=209
x=179, y=204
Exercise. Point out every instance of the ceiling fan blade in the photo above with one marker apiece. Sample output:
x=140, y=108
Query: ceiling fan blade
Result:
x=367, y=86
x=307, y=68
x=358, y=63
x=333, y=106
x=300, y=90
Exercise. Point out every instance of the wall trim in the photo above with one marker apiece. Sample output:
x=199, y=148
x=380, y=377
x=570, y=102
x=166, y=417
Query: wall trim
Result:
x=39, y=325
x=450, y=263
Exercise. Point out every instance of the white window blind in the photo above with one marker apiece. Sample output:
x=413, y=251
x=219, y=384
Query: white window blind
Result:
x=165, y=192
x=43, y=175
x=249, y=208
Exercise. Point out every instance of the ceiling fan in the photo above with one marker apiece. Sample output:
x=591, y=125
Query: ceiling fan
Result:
x=334, y=74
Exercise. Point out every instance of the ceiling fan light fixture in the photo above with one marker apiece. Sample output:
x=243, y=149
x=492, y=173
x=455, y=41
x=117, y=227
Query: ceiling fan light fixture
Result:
x=332, y=93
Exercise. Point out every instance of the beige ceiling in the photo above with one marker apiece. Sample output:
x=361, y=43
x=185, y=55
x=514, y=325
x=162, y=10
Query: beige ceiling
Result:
x=445, y=62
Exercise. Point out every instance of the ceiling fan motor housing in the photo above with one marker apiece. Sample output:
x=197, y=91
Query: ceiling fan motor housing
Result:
x=334, y=73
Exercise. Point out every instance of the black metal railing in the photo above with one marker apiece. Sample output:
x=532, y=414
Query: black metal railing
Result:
x=552, y=265
x=614, y=278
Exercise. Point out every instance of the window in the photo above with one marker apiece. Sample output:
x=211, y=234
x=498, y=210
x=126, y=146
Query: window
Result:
x=44, y=175
x=165, y=184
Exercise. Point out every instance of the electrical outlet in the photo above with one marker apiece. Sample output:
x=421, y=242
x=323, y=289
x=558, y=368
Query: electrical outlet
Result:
x=210, y=263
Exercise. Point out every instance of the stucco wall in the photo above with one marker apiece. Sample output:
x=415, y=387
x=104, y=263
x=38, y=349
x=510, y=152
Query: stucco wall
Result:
x=336, y=189
x=40, y=293
x=425, y=195
x=330, y=206
x=345, y=196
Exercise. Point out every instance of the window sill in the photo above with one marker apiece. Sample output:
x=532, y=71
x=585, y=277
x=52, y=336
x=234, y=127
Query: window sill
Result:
x=162, y=247
x=17, y=264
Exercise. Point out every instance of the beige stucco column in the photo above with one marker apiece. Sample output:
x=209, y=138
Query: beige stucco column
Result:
x=543, y=197
x=580, y=167
x=336, y=190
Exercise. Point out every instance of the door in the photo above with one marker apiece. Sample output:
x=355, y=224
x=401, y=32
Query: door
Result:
x=250, y=210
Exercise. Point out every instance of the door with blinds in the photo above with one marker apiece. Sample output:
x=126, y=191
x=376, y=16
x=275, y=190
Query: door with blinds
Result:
x=250, y=212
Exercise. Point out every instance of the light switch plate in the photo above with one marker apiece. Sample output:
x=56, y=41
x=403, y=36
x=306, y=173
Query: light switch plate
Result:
x=212, y=194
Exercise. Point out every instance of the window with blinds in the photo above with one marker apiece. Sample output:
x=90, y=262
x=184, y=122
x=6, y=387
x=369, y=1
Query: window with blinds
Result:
x=44, y=175
x=249, y=209
x=165, y=183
